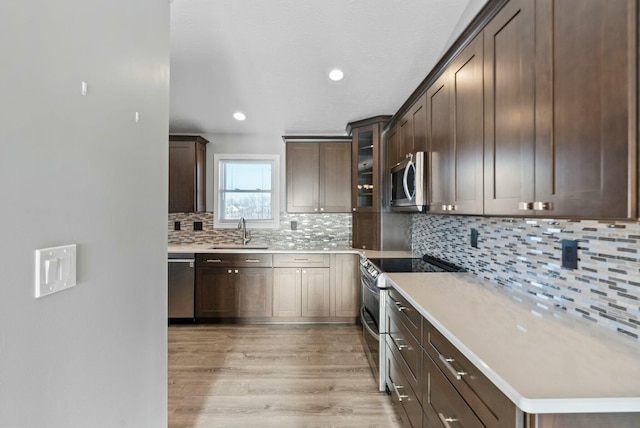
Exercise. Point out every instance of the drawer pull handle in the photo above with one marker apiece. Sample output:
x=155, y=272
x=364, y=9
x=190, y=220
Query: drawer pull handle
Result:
x=399, y=306
x=446, y=420
x=447, y=363
x=301, y=260
x=396, y=388
x=214, y=261
x=399, y=346
x=252, y=260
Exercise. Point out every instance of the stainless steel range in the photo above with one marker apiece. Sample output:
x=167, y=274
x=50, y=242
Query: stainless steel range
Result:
x=374, y=290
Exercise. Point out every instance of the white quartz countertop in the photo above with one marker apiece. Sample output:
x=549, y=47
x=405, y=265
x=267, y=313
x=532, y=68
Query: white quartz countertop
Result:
x=544, y=363
x=257, y=248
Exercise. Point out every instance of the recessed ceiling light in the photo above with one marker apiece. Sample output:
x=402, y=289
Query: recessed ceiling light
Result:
x=336, y=75
x=239, y=115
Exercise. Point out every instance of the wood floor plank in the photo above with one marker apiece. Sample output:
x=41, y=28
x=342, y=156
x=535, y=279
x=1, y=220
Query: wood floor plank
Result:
x=272, y=376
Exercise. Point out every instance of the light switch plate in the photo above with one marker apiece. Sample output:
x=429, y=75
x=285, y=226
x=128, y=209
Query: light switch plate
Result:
x=55, y=269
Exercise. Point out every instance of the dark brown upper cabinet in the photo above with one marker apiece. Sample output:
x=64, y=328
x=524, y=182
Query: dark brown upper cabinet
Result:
x=419, y=125
x=368, y=177
x=405, y=140
x=509, y=109
x=439, y=144
x=542, y=112
x=187, y=177
x=586, y=108
x=466, y=112
x=318, y=176
x=455, y=134
x=367, y=168
x=392, y=147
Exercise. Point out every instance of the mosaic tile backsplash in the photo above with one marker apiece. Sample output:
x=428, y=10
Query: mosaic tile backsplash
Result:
x=313, y=231
x=524, y=255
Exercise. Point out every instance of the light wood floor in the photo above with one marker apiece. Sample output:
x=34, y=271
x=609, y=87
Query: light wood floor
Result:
x=272, y=376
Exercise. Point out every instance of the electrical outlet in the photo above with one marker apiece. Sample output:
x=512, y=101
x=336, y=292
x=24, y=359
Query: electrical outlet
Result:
x=197, y=225
x=569, y=254
x=294, y=225
x=176, y=225
x=474, y=238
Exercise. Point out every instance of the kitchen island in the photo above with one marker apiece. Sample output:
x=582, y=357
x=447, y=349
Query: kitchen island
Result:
x=558, y=371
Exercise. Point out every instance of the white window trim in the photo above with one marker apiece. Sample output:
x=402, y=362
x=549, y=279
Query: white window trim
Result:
x=275, y=186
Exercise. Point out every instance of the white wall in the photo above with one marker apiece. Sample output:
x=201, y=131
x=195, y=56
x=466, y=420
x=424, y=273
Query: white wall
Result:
x=267, y=144
x=78, y=170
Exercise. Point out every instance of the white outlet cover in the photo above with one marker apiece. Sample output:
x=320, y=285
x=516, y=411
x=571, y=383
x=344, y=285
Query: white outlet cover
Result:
x=55, y=269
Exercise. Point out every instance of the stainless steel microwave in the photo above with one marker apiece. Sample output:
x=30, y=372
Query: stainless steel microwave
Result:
x=409, y=184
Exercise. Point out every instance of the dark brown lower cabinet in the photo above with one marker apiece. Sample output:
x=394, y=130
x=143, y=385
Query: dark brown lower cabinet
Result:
x=234, y=292
x=443, y=404
x=470, y=397
x=400, y=386
x=214, y=293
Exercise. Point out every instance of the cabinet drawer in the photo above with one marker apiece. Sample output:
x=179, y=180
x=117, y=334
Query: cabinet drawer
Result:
x=401, y=392
x=486, y=400
x=307, y=260
x=444, y=402
x=234, y=260
x=405, y=312
x=404, y=346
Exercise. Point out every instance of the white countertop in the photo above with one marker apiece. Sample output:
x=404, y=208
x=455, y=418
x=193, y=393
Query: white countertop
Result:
x=206, y=248
x=543, y=363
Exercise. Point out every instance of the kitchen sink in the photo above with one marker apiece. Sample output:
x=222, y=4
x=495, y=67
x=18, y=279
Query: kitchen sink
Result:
x=238, y=247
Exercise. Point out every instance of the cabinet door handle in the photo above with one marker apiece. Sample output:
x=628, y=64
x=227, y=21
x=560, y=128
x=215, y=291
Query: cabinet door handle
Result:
x=446, y=420
x=214, y=261
x=525, y=206
x=252, y=260
x=321, y=209
x=229, y=271
x=541, y=206
x=396, y=388
x=447, y=363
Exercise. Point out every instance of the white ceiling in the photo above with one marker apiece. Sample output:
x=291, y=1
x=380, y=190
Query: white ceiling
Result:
x=270, y=59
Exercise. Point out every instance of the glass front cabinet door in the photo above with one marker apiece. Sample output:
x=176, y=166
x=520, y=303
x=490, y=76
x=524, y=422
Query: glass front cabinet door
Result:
x=366, y=171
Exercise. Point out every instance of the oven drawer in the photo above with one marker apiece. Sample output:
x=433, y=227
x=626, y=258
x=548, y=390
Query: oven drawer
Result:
x=486, y=400
x=443, y=403
x=404, y=346
x=406, y=312
x=401, y=392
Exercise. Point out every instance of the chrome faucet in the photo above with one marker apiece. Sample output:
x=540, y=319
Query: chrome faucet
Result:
x=246, y=236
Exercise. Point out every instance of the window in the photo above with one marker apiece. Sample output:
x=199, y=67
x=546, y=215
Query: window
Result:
x=246, y=186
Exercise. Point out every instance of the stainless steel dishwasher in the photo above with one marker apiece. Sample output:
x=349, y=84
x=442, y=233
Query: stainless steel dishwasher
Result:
x=181, y=285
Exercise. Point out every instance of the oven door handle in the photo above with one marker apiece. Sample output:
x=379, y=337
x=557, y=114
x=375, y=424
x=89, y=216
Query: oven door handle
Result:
x=365, y=324
x=372, y=288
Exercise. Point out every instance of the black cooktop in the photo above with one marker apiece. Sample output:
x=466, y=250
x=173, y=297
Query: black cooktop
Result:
x=425, y=264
